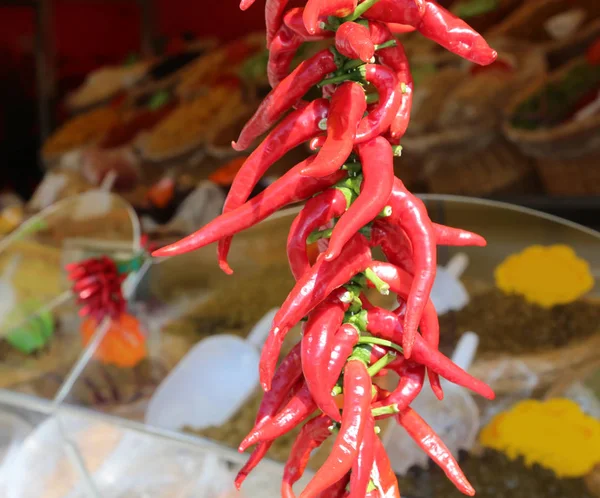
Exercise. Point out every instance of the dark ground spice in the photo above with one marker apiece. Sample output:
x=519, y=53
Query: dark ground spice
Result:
x=493, y=475
x=508, y=324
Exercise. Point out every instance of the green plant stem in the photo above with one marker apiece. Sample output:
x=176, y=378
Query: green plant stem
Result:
x=380, y=342
x=387, y=44
x=360, y=10
x=380, y=364
x=385, y=410
x=381, y=286
x=322, y=234
x=372, y=98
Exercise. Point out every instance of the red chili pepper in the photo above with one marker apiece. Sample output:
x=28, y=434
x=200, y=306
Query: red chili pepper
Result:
x=395, y=57
x=312, y=435
x=294, y=129
x=409, y=213
x=448, y=236
x=378, y=170
x=348, y=106
x=283, y=49
x=437, y=24
x=400, y=28
x=317, y=142
x=311, y=290
x=291, y=187
x=317, y=346
x=357, y=401
x=394, y=243
x=274, y=10
x=435, y=448
x=287, y=93
x=344, y=341
x=380, y=32
x=380, y=118
x=298, y=409
x=316, y=9
x=246, y=4
x=353, y=40
x=387, y=325
x=293, y=20
x=412, y=377
x=362, y=466
x=316, y=212
x=386, y=484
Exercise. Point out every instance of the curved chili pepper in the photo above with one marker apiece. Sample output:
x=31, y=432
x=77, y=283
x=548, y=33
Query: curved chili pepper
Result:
x=316, y=9
x=284, y=45
x=316, y=212
x=337, y=490
x=362, y=466
x=246, y=4
x=344, y=341
x=348, y=106
x=311, y=290
x=353, y=40
x=394, y=244
x=395, y=57
x=412, y=377
x=298, y=409
x=435, y=448
x=274, y=10
x=293, y=20
x=386, y=484
x=378, y=170
x=448, y=236
x=400, y=28
x=437, y=24
x=291, y=187
x=387, y=325
x=317, y=340
x=380, y=32
x=311, y=436
x=285, y=95
x=357, y=401
x=409, y=213
x=380, y=118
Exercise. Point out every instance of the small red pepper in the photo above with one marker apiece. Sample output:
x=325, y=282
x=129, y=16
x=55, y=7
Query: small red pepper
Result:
x=316, y=9
x=298, y=409
x=344, y=341
x=348, y=106
x=448, y=236
x=362, y=466
x=316, y=212
x=284, y=46
x=274, y=10
x=394, y=243
x=291, y=187
x=435, y=448
x=412, y=377
x=400, y=28
x=380, y=118
x=357, y=401
x=317, y=346
x=311, y=290
x=353, y=40
x=409, y=213
x=337, y=490
x=387, y=325
x=386, y=484
x=378, y=170
x=312, y=435
x=407, y=12
x=285, y=95
x=293, y=20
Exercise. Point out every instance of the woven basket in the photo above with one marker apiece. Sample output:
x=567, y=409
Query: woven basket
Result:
x=529, y=22
x=566, y=155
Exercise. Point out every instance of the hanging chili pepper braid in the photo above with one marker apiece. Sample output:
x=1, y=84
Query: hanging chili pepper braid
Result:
x=355, y=203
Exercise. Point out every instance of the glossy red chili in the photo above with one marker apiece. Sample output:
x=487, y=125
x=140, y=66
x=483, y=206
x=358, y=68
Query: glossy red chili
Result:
x=312, y=435
x=412, y=377
x=344, y=341
x=291, y=187
x=386, y=484
x=317, y=346
x=293, y=19
x=362, y=466
x=353, y=40
x=448, y=236
x=316, y=212
x=348, y=106
x=435, y=448
x=311, y=290
x=380, y=118
x=274, y=10
x=284, y=46
x=357, y=401
x=378, y=178
x=285, y=95
x=316, y=9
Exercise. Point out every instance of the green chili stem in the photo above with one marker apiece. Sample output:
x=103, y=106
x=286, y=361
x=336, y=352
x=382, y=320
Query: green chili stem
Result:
x=360, y=10
x=372, y=98
x=380, y=364
x=353, y=64
x=353, y=76
x=397, y=149
x=382, y=287
x=386, y=212
x=322, y=234
x=336, y=391
x=385, y=410
x=380, y=342
x=387, y=44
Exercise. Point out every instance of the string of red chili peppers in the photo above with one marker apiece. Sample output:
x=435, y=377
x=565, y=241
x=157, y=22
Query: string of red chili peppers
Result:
x=354, y=204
